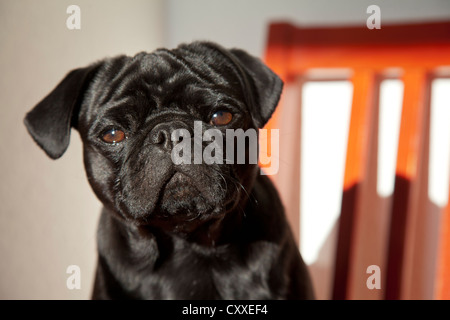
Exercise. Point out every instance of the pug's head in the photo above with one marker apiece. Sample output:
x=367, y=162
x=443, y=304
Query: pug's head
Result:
x=130, y=113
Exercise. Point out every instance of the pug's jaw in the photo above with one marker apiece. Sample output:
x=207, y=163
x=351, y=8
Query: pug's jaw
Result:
x=180, y=196
x=179, y=201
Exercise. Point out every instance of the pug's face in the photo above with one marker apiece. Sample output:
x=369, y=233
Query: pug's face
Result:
x=130, y=112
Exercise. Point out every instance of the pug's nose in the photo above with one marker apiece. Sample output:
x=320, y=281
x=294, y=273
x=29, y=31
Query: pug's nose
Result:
x=161, y=135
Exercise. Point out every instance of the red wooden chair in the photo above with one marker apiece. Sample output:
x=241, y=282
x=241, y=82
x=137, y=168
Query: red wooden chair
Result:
x=395, y=233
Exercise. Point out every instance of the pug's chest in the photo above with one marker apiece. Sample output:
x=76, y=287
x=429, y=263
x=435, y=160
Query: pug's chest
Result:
x=200, y=277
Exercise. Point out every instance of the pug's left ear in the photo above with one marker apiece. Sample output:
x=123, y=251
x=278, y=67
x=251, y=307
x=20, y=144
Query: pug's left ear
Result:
x=50, y=121
x=265, y=84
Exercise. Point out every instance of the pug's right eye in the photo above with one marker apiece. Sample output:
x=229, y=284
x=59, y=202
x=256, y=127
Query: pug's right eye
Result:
x=221, y=118
x=113, y=136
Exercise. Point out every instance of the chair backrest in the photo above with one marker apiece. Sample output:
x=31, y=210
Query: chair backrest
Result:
x=406, y=235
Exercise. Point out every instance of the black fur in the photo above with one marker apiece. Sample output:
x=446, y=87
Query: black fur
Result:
x=188, y=231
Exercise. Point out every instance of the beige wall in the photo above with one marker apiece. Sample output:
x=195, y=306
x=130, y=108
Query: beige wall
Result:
x=48, y=213
x=244, y=24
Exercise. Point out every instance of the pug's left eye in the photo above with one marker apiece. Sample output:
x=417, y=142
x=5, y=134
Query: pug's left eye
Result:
x=113, y=136
x=221, y=118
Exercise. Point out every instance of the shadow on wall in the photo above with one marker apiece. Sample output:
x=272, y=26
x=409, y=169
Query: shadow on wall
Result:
x=404, y=246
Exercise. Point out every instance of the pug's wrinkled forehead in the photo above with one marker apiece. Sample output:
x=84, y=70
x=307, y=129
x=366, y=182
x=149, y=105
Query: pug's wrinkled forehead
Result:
x=163, y=80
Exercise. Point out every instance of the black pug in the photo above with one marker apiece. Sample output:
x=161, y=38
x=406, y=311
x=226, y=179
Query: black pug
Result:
x=176, y=231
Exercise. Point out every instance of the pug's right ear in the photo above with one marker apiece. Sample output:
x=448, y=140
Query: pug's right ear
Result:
x=50, y=121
